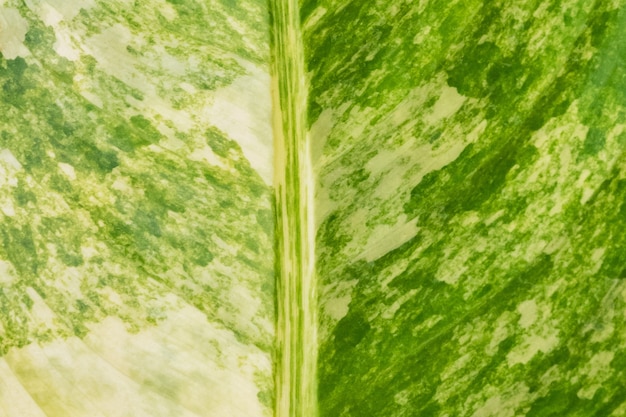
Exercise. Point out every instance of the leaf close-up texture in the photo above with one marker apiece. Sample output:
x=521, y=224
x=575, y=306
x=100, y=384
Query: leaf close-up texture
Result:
x=312, y=208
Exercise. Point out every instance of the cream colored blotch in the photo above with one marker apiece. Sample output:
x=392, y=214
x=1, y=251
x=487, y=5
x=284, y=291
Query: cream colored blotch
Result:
x=13, y=28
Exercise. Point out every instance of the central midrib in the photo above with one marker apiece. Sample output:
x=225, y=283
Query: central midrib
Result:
x=296, y=336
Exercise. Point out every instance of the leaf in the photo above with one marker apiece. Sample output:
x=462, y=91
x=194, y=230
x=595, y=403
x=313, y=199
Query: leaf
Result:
x=137, y=256
x=490, y=196
x=315, y=208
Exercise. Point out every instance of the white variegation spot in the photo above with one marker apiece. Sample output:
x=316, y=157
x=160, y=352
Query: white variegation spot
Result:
x=449, y=102
x=13, y=28
x=53, y=15
x=599, y=363
x=528, y=313
x=385, y=238
x=109, y=48
x=337, y=298
x=248, y=305
x=242, y=110
x=584, y=174
x=113, y=296
x=324, y=205
x=402, y=397
x=7, y=208
x=69, y=280
x=534, y=250
x=167, y=11
x=495, y=216
x=9, y=160
x=597, y=257
x=586, y=195
x=458, y=364
x=188, y=87
x=470, y=218
x=504, y=404
x=207, y=154
x=66, y=10
x=596, y=371
x=48, y=14
x=450, y=275
x=40, y=311
x=531, y=345
x=84, y=89
x=9, y=167
x=337, y=308
x=426, y=156
x=64, y=45
x=7, y=273
x=314, y=18
x=170, y=63
x=123, y=185
x=421, y=35
x=319, y=132
x=68, y=170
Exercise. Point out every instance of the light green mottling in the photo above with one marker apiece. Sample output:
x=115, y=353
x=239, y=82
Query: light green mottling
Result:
x=136, y=225
x=469, y=165
x=444, y=236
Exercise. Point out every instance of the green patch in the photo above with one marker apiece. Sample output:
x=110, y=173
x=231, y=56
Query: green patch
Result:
x=20, y=248
x=594, y=141
x=470, y=75
x=199, y=254
x=557, y=403
x=23, y=196
x=70, y=258
x=219, y=143
x=138, y=133
x=350, y=331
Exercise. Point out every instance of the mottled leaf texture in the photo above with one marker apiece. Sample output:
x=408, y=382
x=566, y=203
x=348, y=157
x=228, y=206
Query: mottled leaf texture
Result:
x=312, y=208
x=136, y=215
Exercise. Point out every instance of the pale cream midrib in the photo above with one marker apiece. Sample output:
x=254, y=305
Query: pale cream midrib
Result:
x=296, y=331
